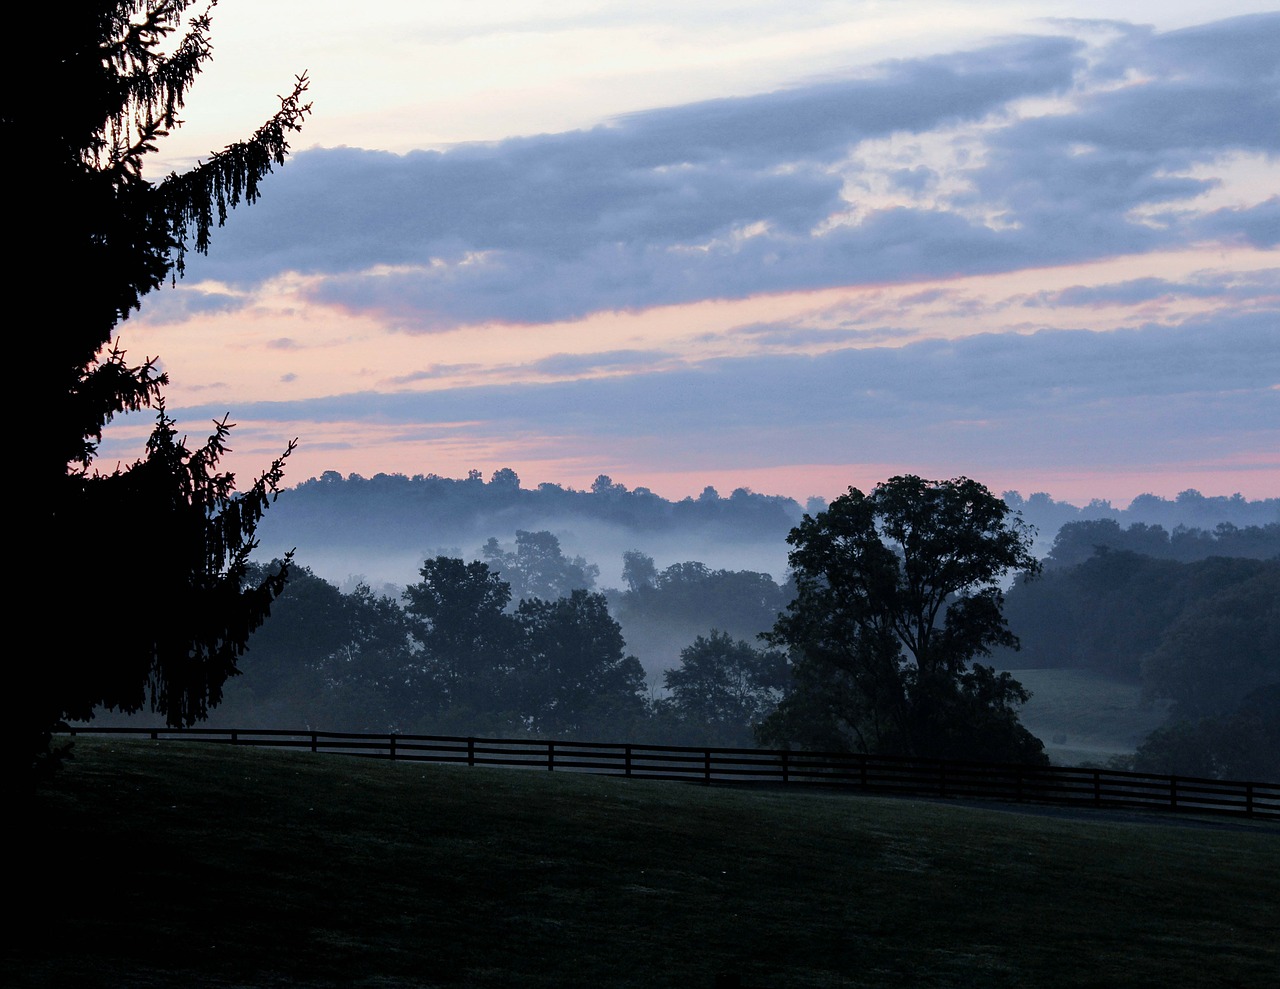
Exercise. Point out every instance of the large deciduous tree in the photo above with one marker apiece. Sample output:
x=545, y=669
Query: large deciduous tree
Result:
x=146, y=559
x=898, y=591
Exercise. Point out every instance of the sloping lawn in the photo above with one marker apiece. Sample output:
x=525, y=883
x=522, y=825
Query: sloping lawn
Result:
x=177, y=864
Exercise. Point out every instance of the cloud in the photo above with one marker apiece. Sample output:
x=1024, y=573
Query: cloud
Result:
x=793, y=335
x=614, y=360
x=1055, y=396
x=1130, y=292
x=1058, y=152
x=818, y=120
x=1180, y=99
x=1230, y=288
x=683, y=177
x=183, y=301
x=1258, y=226
x=434, y=372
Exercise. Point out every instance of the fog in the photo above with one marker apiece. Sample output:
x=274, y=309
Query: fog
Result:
x=383, y=569
x=346, y=531
x=379, y=531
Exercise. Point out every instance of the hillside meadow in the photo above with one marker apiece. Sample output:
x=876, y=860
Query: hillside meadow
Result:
x=150, y=864
x=1085, y=717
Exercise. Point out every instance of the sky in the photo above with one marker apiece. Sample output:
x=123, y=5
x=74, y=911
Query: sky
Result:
x=743, y=244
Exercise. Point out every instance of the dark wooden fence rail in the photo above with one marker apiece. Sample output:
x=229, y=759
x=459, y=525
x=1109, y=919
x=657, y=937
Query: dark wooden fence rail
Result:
x=875, y=774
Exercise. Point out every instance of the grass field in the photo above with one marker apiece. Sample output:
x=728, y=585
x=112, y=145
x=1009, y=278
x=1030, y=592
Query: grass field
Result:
x=1085, y=717
x=171, y=864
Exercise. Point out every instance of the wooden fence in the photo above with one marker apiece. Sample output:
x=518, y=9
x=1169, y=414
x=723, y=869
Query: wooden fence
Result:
x=1082, y=787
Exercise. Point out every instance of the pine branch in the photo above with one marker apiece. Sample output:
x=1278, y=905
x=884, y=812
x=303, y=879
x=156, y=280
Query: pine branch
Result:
x=106, y=389
x=230, y=176
x=147, y=87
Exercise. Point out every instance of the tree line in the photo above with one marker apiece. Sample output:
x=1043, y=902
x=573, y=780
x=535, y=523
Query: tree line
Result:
x=457, y=653
x=896, y=593
x=426, y=504
x=838, y=666
x=1201, y=636
x=434, y=513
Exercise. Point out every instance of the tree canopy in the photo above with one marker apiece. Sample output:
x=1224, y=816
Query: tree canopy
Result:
x=458, y=612
x=538, y=568
x=898, y=591
x=725, y=687
x=577, y=678
x=152, y=555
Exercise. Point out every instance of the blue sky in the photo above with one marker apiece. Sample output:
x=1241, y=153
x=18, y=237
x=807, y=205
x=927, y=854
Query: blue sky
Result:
x=1037, y=244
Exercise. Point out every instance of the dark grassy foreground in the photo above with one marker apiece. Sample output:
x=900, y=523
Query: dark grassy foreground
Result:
x=168, y=864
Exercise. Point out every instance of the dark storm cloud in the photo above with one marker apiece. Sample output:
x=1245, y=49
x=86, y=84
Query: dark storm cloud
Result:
x=726, y=198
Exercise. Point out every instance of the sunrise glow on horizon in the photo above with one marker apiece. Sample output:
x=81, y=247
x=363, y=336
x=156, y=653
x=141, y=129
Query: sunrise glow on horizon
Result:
x=787, y=251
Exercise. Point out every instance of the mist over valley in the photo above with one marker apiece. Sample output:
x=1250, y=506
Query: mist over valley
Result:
x=380, y=529
x=1111, y=648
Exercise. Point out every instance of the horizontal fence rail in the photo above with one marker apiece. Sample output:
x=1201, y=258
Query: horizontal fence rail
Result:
x=1059, y=785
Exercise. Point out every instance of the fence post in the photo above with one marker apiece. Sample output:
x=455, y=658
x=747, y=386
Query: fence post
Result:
x=471, y=751
x=393, y=747
x=628, y=759
x=315, y=741
x=235, y=738
x=551, y=756
x=706, y=767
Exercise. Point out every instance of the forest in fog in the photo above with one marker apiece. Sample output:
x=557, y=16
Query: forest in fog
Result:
x=600, y=628
x=379, y=529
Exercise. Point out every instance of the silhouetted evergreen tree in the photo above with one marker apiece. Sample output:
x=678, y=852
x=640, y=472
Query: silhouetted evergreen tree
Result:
x=148, y=557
